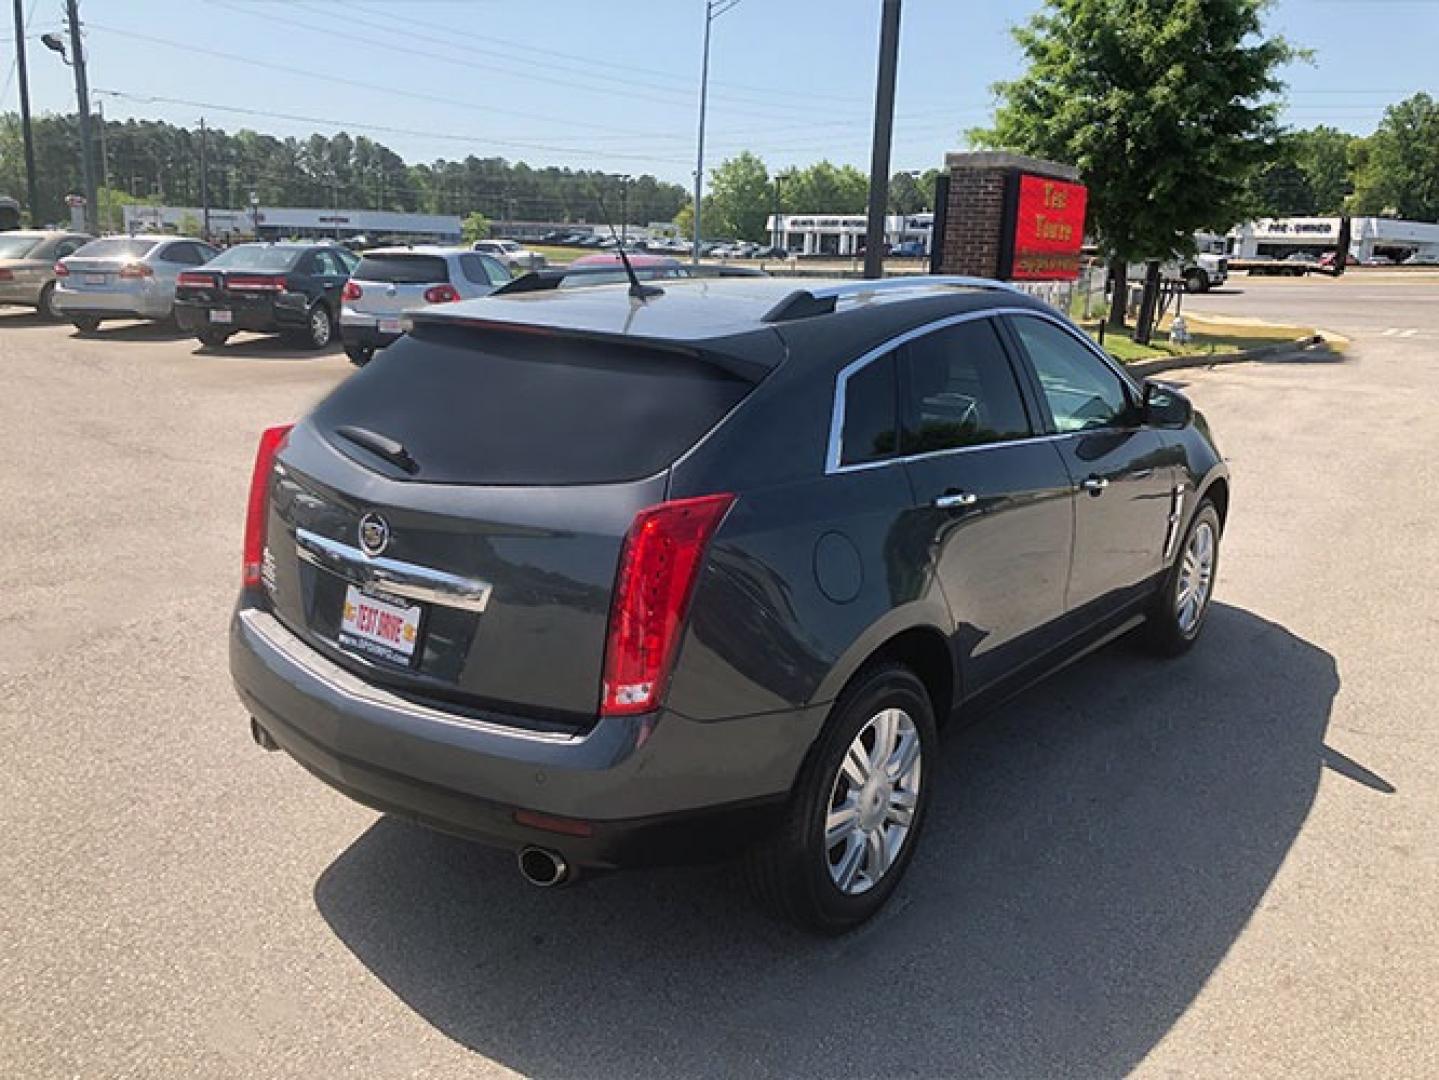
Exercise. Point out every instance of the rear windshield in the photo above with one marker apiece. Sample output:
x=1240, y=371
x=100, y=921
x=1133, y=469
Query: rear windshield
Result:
x=17, y=247
x=476, y=407
x=404, y=269
x=256, y=257
x=116, y=247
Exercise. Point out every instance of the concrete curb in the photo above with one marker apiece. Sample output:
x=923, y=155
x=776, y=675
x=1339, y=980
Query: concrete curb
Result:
x=1200, y=360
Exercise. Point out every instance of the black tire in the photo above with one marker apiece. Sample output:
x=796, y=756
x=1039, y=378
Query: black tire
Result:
x=1196, y=281
x=45, y=303
x=86, y=324
x=359, y=355
x=1165, y=631
x=319, y=328
x=213, y=339
x=792, y=872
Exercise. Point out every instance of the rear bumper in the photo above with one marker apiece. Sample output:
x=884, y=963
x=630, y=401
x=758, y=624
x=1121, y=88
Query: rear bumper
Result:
x=140, y=304
x=355, y=333
x=21, y=292
x=264, y=315
x=653, y=789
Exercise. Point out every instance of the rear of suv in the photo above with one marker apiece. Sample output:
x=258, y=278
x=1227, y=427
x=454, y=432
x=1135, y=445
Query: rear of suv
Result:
x=392, y=282
x=615, y=577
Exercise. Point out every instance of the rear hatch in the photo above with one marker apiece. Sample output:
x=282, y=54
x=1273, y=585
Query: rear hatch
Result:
x=504, y=469
x=395, y=282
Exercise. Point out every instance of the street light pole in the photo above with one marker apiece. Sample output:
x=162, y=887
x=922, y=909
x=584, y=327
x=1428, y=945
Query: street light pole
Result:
x=883, y=133
x=82, y=99
x=23, y=72
x=624, y=180
x=713, y=10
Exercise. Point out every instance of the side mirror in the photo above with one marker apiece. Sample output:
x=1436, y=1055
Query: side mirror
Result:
x=1164, y=406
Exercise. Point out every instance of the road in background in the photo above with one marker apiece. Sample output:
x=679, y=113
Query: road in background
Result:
x=1221, y=866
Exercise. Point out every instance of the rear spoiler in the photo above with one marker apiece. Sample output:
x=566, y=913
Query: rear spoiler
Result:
x=546, y=280
x=712, y=353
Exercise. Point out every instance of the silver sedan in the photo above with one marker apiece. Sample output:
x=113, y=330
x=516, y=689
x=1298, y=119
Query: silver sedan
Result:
x=125, y=277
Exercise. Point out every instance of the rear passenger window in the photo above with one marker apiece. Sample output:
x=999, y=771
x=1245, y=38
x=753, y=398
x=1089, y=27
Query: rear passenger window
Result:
x=960, y=390
x=483, y=271
x=870, y=423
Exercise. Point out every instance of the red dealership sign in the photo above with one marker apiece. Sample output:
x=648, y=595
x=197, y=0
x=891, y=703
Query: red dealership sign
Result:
x=1048, y=229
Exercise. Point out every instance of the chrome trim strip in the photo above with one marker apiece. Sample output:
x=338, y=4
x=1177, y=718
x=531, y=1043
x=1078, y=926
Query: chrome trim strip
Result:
x=833, y=451
x=392, y=576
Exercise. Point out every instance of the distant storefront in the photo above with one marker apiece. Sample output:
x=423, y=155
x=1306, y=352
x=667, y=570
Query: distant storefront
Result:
x=1278, y=238
x=843, y=234
x=280, y=222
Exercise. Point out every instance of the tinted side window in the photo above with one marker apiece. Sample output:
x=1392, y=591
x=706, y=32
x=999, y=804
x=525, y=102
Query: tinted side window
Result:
x=870, y=422
x=499, y=273
x=183, y=253
x=1082, y=392
x=328, y=265
x=960, y=390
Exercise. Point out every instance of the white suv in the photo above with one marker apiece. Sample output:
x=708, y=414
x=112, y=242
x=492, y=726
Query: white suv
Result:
x=390, y=282
x=510, y=253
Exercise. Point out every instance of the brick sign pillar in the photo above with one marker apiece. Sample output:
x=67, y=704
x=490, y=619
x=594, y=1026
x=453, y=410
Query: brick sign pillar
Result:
x=977, y=234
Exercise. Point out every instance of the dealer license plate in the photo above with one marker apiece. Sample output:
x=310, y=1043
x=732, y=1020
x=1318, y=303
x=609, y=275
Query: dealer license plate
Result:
x=391, y=326
x=379, y=628
x=95, y=279
x=222, y=315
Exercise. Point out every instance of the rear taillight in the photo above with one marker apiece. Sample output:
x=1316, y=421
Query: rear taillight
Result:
x=272, y=440
x=257, y=283
x=441, y=294
x=196, y=281
x=658, y=568
x=61, y=270
x=136, y=270
x=351, y=291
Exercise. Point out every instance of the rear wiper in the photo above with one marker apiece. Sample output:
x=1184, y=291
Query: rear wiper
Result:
x=390, y=449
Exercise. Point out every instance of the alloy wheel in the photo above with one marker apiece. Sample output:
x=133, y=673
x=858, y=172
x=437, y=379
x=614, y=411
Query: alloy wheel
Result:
x=1196, y=573
x=872, y=801
x=319, y=327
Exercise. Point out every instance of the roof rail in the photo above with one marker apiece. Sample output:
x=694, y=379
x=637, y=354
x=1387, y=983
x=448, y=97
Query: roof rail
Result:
x=802, y=303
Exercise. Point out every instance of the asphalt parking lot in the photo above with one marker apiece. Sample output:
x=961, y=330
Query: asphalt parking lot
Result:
x=1222, y=866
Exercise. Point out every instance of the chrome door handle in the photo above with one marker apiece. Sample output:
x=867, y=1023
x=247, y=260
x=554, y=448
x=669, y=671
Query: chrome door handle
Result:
x=1095, y=484
x=956, y=500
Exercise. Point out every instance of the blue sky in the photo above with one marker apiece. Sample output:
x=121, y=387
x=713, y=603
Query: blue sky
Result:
x=612, y=83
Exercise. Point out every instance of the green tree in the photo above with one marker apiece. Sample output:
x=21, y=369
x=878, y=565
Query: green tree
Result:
x=740, y=200
x=1167, y=108
x=684, y=220
x=1324, y=155
x=824, y=188
x=1398, y=167
x=905, y=194
x=475, y=227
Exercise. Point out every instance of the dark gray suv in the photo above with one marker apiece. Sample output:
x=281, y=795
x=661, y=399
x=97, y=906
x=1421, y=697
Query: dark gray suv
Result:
x=611, y=579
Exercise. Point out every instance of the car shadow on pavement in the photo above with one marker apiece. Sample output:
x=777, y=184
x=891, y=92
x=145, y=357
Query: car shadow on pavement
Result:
x=265, y=347
x=15, y=318
x=134, y=331
x=1093, y=851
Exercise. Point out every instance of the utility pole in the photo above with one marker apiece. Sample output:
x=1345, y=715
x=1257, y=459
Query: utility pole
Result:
x=204, y=187
x=779, y=178
x=713, y=10
x=82, y=99
x=624, y=208
x=883, y=133
x=23, y=72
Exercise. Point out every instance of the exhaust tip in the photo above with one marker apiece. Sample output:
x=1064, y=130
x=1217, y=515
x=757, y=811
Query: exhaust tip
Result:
x=263, y=739
x=543, y=869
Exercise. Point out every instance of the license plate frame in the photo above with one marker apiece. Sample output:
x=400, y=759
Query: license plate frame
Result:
x=391, y=326
x=381, y=627
x=222, y=315
x=96, y=279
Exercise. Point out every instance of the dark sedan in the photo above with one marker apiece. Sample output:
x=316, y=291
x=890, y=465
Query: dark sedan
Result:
x=625, y=575
x=290, y=289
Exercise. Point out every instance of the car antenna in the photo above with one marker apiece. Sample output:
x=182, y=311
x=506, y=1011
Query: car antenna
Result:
x=637, y=290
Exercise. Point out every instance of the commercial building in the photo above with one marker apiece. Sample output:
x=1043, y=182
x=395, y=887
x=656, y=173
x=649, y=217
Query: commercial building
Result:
x=843, y=234
x=1278, y=238
x=280, y=222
